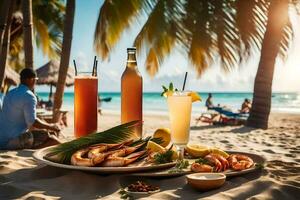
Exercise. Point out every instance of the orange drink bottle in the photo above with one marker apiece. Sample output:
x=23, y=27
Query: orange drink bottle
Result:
x=132, y=93
x=85, y=106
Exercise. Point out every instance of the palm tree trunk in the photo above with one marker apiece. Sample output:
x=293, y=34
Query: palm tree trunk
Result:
x=277, y=19
x=28, y=32
x=5, y=44
x=65, y=57
x=3, y=20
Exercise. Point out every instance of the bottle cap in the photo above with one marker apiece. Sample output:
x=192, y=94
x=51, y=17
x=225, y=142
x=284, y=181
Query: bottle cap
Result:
x=131, y=49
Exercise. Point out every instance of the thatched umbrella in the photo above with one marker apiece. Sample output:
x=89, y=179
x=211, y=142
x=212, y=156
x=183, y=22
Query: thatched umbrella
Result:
x=48, y=75
x=11, y=77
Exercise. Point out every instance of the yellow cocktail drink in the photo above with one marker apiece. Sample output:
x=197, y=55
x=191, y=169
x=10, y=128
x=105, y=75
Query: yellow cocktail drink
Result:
x=180, y=107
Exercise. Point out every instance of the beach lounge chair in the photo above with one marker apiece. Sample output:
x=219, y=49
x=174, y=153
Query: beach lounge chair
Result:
x=226, y=117
x=208, y=117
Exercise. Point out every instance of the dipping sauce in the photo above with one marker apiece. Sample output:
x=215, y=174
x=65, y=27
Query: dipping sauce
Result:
x=206, y=181
x=211, y=176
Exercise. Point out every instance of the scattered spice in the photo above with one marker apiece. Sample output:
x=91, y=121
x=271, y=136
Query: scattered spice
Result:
x=140, y=186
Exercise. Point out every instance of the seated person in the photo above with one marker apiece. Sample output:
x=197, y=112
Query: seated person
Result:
x=246, y=106
x=209, y=103
x=208, y=117
x=18, y=118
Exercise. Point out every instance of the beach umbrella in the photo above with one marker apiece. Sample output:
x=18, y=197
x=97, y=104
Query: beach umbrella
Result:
x=48, y=75
x=11, y=77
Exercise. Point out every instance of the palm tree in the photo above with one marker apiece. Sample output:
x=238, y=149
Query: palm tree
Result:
x=261, y=107
x=5, y=44
x=65, y=57
x=47, y=31
x=48, y=26
x=28, y=32
x=4, y=7
x=217, y=30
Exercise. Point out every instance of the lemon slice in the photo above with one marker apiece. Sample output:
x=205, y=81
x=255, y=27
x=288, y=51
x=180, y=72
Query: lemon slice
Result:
x=219, y=152
x=154, y=147
x=164, y=134
x=196, y=150
x=195, y=96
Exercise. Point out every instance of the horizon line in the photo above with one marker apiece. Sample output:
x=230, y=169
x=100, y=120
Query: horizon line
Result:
x=196, y=91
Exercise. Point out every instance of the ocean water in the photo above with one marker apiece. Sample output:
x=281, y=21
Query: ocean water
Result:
x=155, y=104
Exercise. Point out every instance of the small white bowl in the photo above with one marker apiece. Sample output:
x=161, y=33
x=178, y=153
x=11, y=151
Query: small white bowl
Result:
x=206, y=181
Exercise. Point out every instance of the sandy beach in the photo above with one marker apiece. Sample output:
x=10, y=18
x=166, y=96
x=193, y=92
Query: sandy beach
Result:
x=21, y=177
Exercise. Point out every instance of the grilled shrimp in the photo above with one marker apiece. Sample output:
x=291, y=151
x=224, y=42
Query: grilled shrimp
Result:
x=212, y=159
x=196, y=167
x=240, y=162
x=122, y=161
x=223, y=161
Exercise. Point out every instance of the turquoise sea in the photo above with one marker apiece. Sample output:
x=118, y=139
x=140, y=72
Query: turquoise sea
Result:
x=154, y=103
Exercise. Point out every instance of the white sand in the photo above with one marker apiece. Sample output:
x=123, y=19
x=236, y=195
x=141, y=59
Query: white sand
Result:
x=21, y=177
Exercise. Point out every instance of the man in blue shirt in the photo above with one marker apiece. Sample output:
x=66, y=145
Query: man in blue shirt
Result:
x=18, y=117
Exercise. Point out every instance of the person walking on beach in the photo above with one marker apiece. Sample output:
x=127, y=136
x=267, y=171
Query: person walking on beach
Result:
x=19, y=126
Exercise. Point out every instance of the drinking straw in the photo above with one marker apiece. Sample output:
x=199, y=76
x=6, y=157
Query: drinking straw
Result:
x=94, y=65
x=184, y=81
x=75, y=67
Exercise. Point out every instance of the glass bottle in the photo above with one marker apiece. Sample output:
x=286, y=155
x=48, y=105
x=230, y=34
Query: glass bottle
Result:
x=132, y=93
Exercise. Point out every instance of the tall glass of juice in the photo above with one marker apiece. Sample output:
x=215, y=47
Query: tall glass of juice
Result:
x=85, y=106
x=180, y=108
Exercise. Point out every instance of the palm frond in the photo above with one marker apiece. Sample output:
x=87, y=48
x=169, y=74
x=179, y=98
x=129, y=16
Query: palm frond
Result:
x=63, y=152
x=160, y=32
x=55, y=43
x=48, y=17
x=154, y=24
x=152, y=64
x=115, y=16
x=251, y=16
x=200, y=38
x=231, y=30
x=227, y=36
x=287, y=38
x=42, y=35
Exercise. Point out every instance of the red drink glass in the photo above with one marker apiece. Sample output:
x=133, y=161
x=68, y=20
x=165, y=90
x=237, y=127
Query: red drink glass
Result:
x=85, y=106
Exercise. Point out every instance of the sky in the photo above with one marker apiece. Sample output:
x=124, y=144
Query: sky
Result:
x=286, y=76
